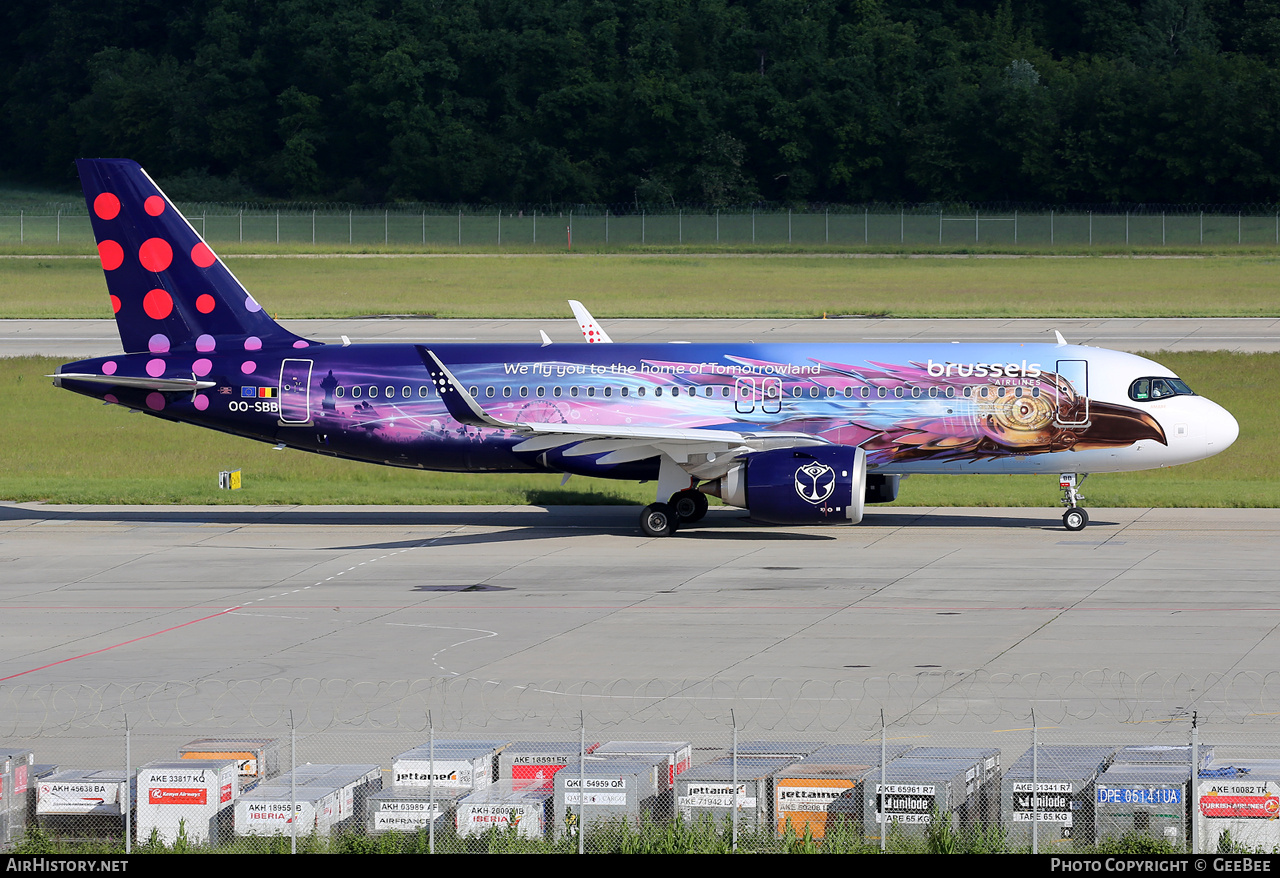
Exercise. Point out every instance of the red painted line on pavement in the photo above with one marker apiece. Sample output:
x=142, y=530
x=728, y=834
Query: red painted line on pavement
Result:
x=114, y=646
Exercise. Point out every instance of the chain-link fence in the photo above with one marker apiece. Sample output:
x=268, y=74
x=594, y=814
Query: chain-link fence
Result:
x=941, y=762
x=850, y=226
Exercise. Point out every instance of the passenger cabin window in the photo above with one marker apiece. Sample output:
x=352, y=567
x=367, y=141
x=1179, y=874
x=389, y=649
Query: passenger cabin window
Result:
x=1147, y=389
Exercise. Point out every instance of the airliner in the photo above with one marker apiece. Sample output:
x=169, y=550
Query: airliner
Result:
x=796, y=434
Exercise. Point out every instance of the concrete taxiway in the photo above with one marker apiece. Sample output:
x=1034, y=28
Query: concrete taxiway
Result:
x=93, y=596
x=95, y=338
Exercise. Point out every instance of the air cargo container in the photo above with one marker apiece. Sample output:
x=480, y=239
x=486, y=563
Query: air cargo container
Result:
x=1149, y=799
x=525, y=807
x=813, y=798
x=1240, y=797
x=256, y=758
x=326, y=799
x=195, y=797
x=605, y=790
x=707, y=791
x=410, y=809
x=85, y=802
x=1063, y=785
x=458, y=765
x=929, y=780
x=537, y=761
x=15, y=780
x=679, y=755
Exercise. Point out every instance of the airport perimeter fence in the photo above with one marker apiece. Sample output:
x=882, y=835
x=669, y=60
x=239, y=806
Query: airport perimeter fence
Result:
x=594, y=226
x=1100, y=761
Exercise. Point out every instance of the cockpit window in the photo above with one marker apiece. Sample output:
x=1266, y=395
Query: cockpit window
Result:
x=1148, y=389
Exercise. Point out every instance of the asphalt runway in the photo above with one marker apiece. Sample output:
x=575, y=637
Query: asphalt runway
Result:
x=95, y=338
x=96, y=596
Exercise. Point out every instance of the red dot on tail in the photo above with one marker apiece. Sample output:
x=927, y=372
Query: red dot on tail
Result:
x=106, y=206
x=155, y=254
x=202, y=256
x=115, y=305
x=111, y=254
x=204, y=303
x=158, y=304
x=154, y=205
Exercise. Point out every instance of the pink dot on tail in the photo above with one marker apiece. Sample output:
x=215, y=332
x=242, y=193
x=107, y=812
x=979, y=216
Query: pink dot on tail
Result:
x=301, y=344
x=154, y=205
x=253, y=343
x=106, y=206
x=248, y=366
x=155, y=368
x=155, y=401
x=158, y=344
x=206, y=343
x=109, y=367
x=111, y=254
x=110, y=397
x=202, y=256
x=158, y=304
x=202, y=367
x=155, y=254
x=201, y=402
x=251, y=306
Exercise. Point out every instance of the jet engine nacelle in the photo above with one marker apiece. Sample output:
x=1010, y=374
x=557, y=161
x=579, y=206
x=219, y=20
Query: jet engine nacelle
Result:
x=823, y=484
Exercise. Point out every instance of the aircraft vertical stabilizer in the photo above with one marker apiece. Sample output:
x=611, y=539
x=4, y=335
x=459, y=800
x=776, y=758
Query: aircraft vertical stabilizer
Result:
x=169, y=291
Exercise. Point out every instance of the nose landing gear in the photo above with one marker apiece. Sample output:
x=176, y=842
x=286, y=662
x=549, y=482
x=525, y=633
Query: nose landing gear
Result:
x=1074, y=518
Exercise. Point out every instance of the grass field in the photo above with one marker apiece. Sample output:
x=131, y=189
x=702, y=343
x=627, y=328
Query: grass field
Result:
x=64, y=448
x=697, y=285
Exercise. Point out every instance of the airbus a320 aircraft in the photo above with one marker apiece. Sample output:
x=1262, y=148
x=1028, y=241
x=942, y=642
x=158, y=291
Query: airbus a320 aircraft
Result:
x=795, y=434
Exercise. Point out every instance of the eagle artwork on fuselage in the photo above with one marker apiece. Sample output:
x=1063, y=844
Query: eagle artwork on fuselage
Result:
x=794, y=433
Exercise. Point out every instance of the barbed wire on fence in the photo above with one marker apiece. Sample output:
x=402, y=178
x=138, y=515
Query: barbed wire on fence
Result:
x=766, y=704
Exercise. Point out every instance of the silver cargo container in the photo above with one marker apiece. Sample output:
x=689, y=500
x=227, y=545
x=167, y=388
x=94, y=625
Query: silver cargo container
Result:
x=932, y=780
x=606, y=790
x=1149, y=799
x=496, y=806
x=257, y=758
x=538, y=761
x=410, y=809
x=15, y=781
x=1063, y=783
x=329, y=798
x=458, y=765
x=707, y=791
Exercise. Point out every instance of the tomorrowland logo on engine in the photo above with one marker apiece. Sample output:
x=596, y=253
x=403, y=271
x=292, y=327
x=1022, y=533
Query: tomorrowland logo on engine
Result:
x=815, y=482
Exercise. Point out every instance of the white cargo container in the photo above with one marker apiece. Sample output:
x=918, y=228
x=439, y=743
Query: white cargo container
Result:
x=457, y=765
x=328, y=798
x=1242, y=797
x=605, y=790
x=537, y=761
x=410, y=809
x=678, y=754
x=194, y=797
x=501, y=803
x=75, y=791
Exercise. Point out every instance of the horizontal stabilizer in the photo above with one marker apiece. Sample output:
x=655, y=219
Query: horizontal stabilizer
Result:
x=164, y=385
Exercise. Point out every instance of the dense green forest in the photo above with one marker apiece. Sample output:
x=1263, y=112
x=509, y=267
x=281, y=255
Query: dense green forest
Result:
x=693, y=101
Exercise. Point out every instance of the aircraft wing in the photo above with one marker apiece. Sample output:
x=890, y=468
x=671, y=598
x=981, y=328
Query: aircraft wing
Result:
x=704, y=452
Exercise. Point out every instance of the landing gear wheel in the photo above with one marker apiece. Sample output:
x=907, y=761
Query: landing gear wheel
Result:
x=689, y=506
x=1075, y=518
x=658, y=520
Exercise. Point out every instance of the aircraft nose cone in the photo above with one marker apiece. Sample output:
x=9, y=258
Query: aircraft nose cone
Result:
x=1221, y=431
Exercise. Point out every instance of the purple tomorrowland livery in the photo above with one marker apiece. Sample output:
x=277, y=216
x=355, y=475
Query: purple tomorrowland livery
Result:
x=796, y=434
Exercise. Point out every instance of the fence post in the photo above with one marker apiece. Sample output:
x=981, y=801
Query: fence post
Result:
x=386, y=227
x=642, y=226
x=680, y=225
x=22, y=228
x=535, y=226
x=1195, y=778
x=753, y=224
x=734, y=721
x=827, y=225
x=1239, y=229
x=459, y=227
x=866, y=225
x=884, y=820
x=1090, y=228
x=1162, y=229
x=1035, y=785
x=1051, y=228
x=59, y=225
x=128, y=804
x=718, y=224
x=351, y=233
x=1126, y=228
x=939, y=225
x=1015, y=227
x=975, y=227
x=293, y=785
x=582, y=782
x=241, y=215
x=571, y=230
x=424, y=228
x=499, y=226
x=606, y=225
x=902, y=225
x=313, y=227
x=277, y=227
x=1202, y=227
x=431, y=785
x=788, y=225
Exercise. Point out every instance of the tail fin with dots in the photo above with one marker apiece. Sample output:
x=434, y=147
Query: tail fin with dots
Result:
x=168, y=289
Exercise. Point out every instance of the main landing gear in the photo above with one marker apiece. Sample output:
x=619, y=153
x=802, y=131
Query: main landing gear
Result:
x=684, y=507
x=1074, y=518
